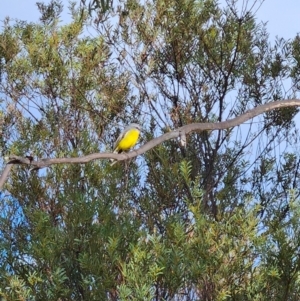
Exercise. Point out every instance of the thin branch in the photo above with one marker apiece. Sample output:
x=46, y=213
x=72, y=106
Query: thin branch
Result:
x=5, y=174
x=180, y=132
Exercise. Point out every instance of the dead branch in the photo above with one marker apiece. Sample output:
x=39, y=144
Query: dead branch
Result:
x=180, y=132
x=5, y=174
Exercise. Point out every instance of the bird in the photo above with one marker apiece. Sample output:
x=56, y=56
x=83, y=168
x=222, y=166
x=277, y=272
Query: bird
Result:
x=127, y=139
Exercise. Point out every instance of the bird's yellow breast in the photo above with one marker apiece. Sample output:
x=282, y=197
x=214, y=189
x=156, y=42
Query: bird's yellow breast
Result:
x=129, y=140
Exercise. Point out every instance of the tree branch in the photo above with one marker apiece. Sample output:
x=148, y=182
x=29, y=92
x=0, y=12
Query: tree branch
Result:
x=180, y=132
x=5, y=175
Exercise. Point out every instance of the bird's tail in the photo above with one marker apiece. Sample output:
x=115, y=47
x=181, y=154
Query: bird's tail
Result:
x=113, y=161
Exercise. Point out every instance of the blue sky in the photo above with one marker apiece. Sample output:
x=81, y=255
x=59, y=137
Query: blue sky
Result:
x=282, y=15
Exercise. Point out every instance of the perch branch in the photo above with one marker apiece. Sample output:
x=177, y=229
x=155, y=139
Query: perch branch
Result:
x=180, y=132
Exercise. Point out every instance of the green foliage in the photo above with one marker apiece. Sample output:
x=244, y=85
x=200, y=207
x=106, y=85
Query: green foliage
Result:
x=97, y=6
x=215, y=220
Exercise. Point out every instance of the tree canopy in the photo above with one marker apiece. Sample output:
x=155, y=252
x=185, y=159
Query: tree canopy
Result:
x=214, y=216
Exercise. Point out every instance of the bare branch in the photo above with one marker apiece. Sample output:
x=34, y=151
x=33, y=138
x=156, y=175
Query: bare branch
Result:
x=180, y=132
x=5, y=175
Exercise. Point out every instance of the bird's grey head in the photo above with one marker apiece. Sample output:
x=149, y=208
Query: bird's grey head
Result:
x=134, y=126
